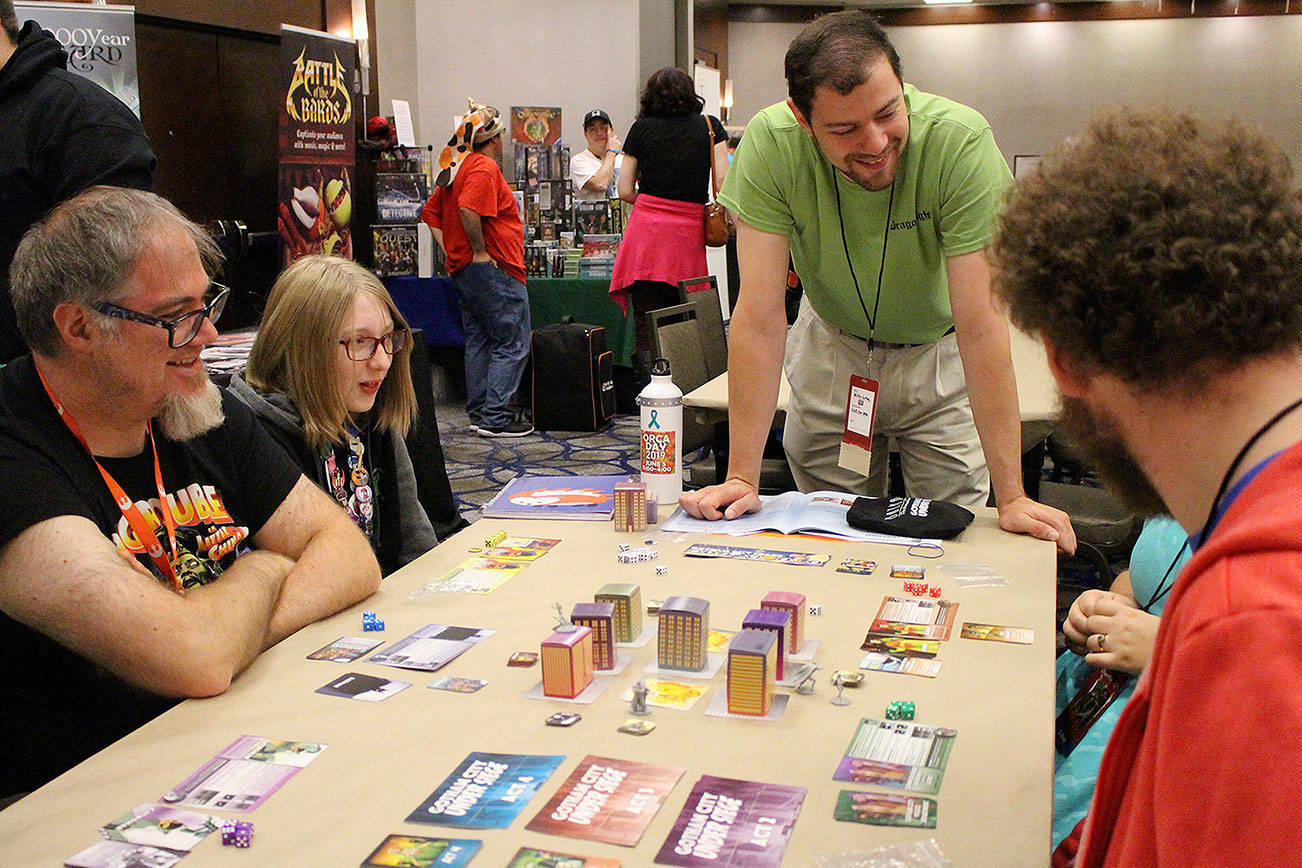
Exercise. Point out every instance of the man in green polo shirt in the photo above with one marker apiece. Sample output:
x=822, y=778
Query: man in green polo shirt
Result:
x=885, y=198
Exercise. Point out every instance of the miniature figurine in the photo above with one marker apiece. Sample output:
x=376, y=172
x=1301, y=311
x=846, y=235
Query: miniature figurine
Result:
x=806, y=685
x=839, y=699
x=638, y=705
x=563, y=624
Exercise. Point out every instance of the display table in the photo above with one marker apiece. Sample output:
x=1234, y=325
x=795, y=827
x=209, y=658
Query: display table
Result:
x=433, y=305
x=384, y=758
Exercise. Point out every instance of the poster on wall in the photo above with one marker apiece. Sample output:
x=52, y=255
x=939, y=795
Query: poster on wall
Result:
x=100, y=41
x=317, y=146
x=535, y=125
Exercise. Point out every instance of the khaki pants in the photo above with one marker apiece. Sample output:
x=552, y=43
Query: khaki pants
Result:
x=922, y=406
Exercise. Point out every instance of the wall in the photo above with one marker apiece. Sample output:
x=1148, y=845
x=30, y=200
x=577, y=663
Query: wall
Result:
x=397, y=59
x=658, y=28
x=578, y=55
x=1037, y=82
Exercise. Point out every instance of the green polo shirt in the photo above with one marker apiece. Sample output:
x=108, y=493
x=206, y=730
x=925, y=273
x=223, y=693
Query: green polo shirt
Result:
x=947, y=192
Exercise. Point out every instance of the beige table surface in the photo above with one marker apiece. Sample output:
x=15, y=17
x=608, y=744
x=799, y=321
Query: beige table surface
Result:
x=1037, y=395
x=384, y=758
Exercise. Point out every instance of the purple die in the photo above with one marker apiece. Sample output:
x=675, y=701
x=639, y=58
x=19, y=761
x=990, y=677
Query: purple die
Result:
x=243, y=836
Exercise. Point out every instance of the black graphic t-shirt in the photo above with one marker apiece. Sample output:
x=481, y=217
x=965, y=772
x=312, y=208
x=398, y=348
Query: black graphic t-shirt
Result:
x=57, y=708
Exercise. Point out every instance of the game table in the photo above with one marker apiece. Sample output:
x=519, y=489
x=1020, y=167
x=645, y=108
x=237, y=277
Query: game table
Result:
x=384, y=758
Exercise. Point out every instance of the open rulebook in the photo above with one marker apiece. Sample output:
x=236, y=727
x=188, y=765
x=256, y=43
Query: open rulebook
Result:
x=815, y=512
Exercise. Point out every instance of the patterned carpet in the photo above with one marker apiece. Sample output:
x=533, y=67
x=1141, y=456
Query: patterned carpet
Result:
x=478, y=467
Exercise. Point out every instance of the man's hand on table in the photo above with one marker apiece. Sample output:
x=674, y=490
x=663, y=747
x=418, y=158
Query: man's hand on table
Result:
x=730, y=499
x=1023, y=515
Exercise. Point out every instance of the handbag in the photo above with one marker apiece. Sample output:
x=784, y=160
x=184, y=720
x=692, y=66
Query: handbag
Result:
x=718, y=222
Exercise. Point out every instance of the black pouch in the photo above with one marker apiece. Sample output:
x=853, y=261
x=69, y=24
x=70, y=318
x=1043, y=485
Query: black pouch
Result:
x=909, y=517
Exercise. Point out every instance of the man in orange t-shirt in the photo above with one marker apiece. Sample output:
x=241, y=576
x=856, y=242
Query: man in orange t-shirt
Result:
x=476, y=221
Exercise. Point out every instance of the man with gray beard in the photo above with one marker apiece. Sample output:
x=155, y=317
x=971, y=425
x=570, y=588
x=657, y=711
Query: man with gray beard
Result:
x=153, y=539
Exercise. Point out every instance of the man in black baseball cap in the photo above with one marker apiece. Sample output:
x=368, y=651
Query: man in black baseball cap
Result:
x=595, y=169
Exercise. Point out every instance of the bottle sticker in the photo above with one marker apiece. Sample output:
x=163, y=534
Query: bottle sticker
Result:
x=658, y=452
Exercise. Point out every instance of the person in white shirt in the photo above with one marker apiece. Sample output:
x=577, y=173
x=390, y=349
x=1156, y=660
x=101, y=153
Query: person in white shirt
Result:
x=595, y=169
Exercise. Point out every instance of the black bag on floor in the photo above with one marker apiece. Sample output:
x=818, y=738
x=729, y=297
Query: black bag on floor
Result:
x=572, y=378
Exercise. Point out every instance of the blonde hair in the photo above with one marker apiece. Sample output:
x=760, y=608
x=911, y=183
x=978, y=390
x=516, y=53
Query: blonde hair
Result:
x=296, y=351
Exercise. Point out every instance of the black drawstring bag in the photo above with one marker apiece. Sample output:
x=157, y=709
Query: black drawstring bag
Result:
x=909, y=517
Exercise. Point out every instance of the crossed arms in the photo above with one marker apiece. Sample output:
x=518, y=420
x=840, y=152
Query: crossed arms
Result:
x=64, y=578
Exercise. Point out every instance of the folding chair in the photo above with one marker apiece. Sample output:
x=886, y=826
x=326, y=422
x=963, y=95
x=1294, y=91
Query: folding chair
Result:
x=703, y=293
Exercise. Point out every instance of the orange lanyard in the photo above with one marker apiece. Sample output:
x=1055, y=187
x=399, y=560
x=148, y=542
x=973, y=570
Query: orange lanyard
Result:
x=139, y=525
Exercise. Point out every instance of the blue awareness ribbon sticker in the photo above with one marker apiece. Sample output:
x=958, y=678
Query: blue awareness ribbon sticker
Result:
x=654, y=423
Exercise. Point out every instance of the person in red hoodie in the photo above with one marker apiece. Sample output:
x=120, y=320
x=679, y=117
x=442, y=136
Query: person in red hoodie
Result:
x=1159, y=259
x=475, y=219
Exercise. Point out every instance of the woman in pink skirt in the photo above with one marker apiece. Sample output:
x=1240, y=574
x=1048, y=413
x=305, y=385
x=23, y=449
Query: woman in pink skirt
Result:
x=665, y=175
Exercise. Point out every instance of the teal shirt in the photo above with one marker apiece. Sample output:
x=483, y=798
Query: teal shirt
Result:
x=948, y=190
x=1159, y=555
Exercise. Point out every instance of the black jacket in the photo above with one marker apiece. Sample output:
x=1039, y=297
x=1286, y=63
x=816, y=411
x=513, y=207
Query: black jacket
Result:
x=59, y=134
x=403, y=531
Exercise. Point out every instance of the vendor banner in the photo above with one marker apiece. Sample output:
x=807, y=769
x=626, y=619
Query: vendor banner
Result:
x=100, y=41
x=317, y=146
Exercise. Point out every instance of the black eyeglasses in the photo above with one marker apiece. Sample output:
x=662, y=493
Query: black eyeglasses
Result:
x=361, y=349
x=184, y=328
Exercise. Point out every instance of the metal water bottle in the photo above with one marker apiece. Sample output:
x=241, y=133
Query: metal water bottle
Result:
x=661, y=404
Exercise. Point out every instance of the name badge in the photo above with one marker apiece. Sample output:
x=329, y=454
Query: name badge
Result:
x=860, y=416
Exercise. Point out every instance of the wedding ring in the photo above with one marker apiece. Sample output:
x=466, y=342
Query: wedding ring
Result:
x=1102, y=636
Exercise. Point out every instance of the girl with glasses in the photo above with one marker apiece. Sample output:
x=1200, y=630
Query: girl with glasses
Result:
x=330, y=377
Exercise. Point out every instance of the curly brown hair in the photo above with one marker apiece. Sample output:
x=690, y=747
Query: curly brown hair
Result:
x=670, y=93
x=1158, y=248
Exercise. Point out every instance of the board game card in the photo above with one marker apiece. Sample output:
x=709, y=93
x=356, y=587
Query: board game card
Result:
x=875, y=661
x=997, y=633
x=159, y=826
x=668, y=694
x=857, y=567
x=431, y=647
x=368, y=688
x=346, y=649
x=414, y=851
x=914, y=617
x=771, y=556
x=486, y=791
x=885, y=809
x=608, y=800
x=733, y=822
x=116, y=854
x=900, y=646
x=898, y=754
x=244, y=774
x=458, y=685
x=530, y=857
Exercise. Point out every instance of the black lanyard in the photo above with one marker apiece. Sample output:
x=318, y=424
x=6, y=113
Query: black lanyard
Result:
x=1212, y=518
x=886, y=234
x=1163, y=587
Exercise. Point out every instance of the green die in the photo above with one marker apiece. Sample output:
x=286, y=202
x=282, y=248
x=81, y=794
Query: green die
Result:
x=899, y=709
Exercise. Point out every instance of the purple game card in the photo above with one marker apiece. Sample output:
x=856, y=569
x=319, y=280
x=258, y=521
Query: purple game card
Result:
x=731, y=822
x=244, y=775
